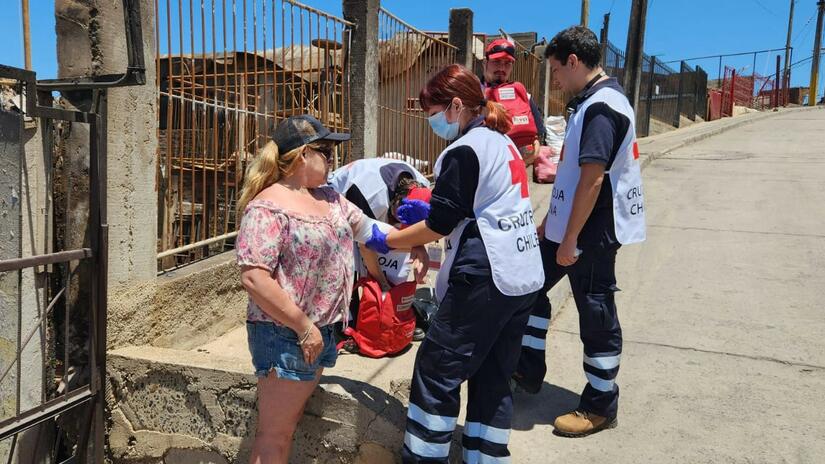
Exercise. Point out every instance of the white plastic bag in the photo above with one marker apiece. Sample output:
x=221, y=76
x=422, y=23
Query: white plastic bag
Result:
x=555, y=125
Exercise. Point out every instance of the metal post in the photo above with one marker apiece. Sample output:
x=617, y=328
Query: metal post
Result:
x=650, y=92
x=817, y=51
x=604, y=36
x=785, y=76
x=101, y=277
x=753, y=67
x=677, y=118
x=777, y=84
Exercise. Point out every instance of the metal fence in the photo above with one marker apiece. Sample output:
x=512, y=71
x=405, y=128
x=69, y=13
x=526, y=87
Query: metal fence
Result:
x=526, y=69
x=68, y=313
x=702, y=100
x=665, y=95
x=407, y=57
x=66, y=302
x=227, y=71
x=754, y=91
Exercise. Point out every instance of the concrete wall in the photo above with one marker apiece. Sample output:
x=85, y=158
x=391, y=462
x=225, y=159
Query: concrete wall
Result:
x=91, y=41
x=171, y=406
x=10, y=148
x=26, y=232
x=182, y=309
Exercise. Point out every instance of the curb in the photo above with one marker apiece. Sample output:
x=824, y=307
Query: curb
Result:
x=652, y=156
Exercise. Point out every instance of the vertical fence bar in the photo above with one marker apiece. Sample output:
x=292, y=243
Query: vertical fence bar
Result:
x=678, y=112
x=406, y=58
x=216, y=108
x=193, y=128
x=651, y=84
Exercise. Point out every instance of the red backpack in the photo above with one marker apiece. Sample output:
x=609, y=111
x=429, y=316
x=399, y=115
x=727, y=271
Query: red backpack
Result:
x=385, y=321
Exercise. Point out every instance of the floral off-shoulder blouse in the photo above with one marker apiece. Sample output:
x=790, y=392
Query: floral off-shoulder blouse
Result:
x=311, y=257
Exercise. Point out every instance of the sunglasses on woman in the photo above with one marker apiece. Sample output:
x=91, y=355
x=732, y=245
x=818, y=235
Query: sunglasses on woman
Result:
x=325, y=151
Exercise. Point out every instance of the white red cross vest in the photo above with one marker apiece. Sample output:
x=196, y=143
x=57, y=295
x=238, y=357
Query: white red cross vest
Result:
x=503, y=214
x=625, y=176
x=514, y=97
x=365, y=174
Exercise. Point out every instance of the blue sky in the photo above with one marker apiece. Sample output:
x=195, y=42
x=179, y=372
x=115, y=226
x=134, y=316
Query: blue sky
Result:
x=675, y=29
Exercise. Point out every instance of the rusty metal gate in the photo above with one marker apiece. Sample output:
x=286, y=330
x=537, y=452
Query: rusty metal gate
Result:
x=407, y=57
x=227, y=72
x=72, y=395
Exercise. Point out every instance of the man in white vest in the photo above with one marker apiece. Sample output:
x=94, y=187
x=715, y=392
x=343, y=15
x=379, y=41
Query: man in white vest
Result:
x=596, y=207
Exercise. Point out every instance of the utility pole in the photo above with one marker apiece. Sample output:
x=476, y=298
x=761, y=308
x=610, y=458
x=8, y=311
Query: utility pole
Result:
x=777, y=87
x=633, y=53
x=585, y=13
x=604, y=36
x=817, y=52
x=27, y=39
x=786, y=75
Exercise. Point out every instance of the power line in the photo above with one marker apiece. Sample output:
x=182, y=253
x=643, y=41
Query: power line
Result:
x=807, y=23
x=803, y=61
x=758, y=2
x=725, y=55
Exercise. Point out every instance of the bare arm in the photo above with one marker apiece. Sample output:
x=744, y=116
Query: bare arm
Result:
x=587, y=191
x=371, y=262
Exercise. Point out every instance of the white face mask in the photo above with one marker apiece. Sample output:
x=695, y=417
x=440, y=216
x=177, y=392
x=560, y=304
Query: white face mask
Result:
x=442, y=128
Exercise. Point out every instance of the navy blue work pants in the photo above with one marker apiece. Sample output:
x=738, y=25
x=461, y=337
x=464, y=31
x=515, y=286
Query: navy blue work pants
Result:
x=475, y=336
x=593, y=282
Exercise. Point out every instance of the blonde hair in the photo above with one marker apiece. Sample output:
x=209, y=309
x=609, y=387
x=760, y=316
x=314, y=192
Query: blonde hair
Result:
x=269, y=167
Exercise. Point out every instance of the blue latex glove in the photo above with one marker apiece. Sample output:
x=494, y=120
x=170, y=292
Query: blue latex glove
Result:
x=378, y=241
x=412, y=211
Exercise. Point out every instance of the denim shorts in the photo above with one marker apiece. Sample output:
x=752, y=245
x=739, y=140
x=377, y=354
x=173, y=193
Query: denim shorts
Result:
x=276, y=347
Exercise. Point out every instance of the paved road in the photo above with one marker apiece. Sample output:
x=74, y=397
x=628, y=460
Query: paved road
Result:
x=724, y=326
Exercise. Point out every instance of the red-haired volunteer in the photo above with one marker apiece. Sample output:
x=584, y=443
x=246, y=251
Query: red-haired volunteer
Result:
x=488, y=282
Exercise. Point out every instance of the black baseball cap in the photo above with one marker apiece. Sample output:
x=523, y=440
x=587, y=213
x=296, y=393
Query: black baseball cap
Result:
x=296, y=131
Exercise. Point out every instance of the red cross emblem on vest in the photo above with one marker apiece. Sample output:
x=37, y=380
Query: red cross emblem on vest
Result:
x=518, y=172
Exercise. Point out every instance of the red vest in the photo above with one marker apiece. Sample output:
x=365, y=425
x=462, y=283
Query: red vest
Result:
x=513, y=96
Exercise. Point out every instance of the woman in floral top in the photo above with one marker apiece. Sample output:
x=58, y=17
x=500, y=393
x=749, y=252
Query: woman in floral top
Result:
x=295, y=249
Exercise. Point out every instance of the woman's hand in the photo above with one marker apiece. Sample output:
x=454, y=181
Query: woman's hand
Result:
x=313, y=345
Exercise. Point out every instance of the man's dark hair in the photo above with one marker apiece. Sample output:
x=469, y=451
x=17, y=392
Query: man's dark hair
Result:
x=575, y=40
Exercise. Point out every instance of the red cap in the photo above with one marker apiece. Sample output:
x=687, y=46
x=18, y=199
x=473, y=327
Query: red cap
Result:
x=420, y=193
x=500, y=49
